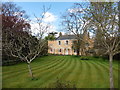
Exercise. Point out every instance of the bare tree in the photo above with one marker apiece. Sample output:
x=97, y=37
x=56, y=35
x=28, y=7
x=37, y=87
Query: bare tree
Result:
x=75, y=22
x=104, y=18
x=21, y=44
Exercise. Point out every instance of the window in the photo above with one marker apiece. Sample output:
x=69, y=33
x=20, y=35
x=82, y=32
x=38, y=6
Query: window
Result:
x=51, y=50
x=66, y=42
x=60, y=50
x=74, y=50
x=59, y=43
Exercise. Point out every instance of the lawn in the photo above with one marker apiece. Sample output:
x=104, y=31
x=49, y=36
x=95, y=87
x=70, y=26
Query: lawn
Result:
x=93, y=73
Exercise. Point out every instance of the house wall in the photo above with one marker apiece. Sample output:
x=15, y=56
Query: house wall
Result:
x=54, y=47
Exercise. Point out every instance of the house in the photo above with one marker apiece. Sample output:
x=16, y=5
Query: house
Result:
x=63, y=45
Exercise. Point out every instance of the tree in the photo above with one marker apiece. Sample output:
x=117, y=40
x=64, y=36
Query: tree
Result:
x=60, y=34
x=84, y=45
x=53, y=33
x=13, y=20
x=18, y=42
x=75, y=22
x=75, y=46
x=13, y=17
x=104, y=18
x=51, y=36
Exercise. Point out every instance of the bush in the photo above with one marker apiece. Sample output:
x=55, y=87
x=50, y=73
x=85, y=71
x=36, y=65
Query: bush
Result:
x=84, y=58
x=76, y=56
x=96, y=56
x=10, y=62
x=105, y=57
x=117, y=56
x=62, y=84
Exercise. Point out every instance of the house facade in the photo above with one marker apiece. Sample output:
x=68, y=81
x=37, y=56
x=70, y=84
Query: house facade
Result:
x=62, y=45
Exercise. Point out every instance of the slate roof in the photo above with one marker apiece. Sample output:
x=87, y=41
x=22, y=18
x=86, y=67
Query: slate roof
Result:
x=64, y=37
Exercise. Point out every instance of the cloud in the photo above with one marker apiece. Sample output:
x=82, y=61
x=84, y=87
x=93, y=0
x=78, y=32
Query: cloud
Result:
x=35, y=28
x=48, y=20
x=75, y=10
x=49, y=17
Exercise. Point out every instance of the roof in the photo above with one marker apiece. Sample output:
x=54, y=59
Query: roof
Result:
x=64, y=37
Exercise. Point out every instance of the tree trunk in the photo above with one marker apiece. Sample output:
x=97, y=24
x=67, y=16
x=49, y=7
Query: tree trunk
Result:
x=83, y=52
x=111, y=71
x=30, y=70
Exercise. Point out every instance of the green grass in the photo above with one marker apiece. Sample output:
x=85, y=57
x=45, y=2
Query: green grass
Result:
x=93, y=73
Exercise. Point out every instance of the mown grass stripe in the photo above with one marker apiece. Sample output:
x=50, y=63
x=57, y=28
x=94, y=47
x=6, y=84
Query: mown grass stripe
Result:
x=33, y=68
x=115, y=63
x=20, y=69
x=79, y=73
x=81, y=76
x=106, y=68
x=62, y=74
x=98, y=74
x=49, y=67
x=74, y=62
x=41, y=75
x=83, y=73
x=53, y=73
x=87, y=76
x=73, y=74
x=58, y=74
x=68, y=70
x=46, y=62
x=107, y=65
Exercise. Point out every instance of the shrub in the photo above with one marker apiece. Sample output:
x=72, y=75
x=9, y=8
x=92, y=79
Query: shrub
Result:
x=96, y=56
x=84, y=58
x=62, y=84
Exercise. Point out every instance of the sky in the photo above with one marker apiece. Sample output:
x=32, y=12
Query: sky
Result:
x=53, y=16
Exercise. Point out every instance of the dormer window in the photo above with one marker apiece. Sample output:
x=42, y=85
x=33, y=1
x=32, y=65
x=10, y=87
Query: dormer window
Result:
x=59, y=43
x=66, y=42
